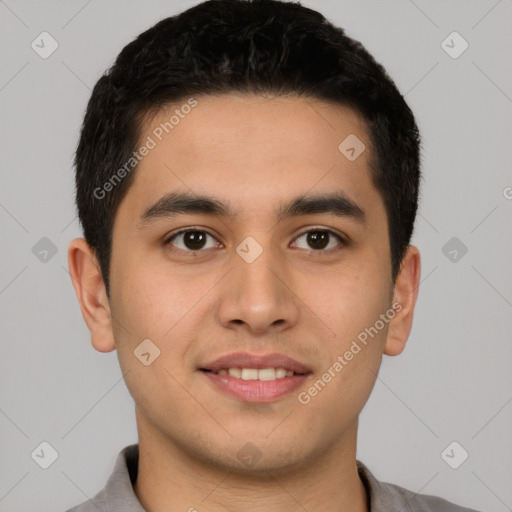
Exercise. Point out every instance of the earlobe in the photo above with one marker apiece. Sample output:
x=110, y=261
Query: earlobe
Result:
x=90, y=290
x=404, y=300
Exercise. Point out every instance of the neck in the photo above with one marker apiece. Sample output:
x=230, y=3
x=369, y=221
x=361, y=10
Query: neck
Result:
x=170, y=478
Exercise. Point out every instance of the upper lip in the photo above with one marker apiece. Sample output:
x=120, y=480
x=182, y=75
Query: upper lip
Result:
x=258, y=361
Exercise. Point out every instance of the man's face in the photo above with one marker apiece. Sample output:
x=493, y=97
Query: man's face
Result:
x=199, y=297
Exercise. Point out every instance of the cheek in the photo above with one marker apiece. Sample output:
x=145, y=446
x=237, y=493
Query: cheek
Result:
x=347, y=301
x=155, y=307
x=161, y=304
x=352, y=358
x=151, y=297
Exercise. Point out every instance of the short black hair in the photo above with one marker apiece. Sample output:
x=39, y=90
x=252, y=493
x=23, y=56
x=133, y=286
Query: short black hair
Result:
x=242, y=46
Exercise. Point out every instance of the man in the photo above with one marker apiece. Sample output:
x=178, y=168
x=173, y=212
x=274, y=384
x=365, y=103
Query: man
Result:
x=247, y=182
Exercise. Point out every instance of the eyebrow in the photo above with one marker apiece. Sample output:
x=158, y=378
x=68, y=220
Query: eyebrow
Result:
x=180, y=203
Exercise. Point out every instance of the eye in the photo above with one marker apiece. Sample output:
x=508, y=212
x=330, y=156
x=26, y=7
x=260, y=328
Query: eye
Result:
x=194, y=240
x=191, y=240
x=320, y=239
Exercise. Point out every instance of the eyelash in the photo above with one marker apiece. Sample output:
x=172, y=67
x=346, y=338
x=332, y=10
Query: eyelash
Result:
x=167, y=243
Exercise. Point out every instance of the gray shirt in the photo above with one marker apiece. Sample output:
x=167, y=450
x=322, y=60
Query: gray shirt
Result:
x=118, y=494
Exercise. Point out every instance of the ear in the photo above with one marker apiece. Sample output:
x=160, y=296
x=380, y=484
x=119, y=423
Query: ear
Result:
x=90, y=290
x=404, y=297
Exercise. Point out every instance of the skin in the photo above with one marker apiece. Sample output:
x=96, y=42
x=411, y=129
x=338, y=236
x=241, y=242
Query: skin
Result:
x=253, y=153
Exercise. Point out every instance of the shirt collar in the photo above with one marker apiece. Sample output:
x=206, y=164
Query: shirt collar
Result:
x=118, y=493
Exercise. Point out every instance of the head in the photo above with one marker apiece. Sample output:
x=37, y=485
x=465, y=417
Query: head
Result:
x=247, y=119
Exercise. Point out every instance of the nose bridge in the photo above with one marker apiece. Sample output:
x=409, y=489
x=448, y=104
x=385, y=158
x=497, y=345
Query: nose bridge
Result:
x=258, y=277
x=255, y=294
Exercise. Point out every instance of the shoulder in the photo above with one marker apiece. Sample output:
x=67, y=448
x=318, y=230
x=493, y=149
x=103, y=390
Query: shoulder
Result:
x=385, y=497
x=118, y=493
x=413, y=502
x=96, y=504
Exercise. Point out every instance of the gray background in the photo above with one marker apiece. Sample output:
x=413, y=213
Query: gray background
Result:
x=452, y=383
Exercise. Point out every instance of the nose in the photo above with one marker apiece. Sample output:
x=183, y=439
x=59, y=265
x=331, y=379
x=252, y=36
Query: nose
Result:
x=258, y=297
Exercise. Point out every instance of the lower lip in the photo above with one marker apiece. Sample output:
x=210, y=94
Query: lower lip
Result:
x=256, y=390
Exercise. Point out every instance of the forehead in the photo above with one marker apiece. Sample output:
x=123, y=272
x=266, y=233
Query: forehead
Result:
x=289, y=128
x=250, y=150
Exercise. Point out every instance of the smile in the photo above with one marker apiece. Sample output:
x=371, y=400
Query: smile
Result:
x=255, y=385
x=265, y=374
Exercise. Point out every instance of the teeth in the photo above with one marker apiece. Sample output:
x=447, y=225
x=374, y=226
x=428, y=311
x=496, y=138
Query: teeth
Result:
x=256, y=374
x=266, y=374
x=235, y=372
x=249, y=374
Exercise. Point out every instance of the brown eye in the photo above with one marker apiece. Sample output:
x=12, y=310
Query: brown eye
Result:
x=319, y=239
x=191, y=240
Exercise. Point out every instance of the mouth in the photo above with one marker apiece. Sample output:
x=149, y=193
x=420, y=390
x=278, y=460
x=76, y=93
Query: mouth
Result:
x=263, y=374
x=255, y=378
